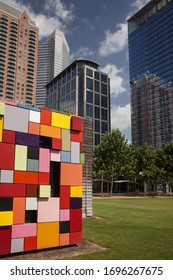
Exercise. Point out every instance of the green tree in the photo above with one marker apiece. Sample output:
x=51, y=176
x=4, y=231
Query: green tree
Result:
x=165, y=162
x=110, y=156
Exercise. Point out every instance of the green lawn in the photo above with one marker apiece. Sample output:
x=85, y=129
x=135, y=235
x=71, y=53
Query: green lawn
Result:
x=132, y=228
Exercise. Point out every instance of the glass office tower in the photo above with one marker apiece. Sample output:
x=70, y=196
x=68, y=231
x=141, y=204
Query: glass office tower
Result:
x=151, y=73
x=83, y=90
x=53, y=57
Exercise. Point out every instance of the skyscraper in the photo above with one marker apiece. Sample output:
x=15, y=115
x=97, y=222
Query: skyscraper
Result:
x=53, y=57
x=18, y=55
x=151, y=73
x=82, y=90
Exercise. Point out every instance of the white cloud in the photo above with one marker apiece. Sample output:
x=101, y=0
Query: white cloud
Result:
x=60, y=19
x=120, y=117
x=116, y=80
x=82, y=52
x=59, y=9
x=114, y=42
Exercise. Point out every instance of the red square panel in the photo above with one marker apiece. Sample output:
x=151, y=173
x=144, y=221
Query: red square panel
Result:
x=75, y=220
x=6, y=156
x=9, y=136
x=76, y=136
x=56, y=144
x=30, y=243
x=81, y=148
x=5, y=240
x=14, y=190
x=76, y=123
x=64, y=197
x=44, y=178
x=75, y=237
x=46, y=116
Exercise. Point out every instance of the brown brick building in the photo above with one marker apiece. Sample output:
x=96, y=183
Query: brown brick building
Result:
x=18, y=55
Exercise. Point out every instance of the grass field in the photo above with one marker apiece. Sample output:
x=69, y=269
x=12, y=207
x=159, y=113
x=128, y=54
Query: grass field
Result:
x=131, y=229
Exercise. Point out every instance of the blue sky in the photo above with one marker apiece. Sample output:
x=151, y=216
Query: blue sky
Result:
x=97, y=30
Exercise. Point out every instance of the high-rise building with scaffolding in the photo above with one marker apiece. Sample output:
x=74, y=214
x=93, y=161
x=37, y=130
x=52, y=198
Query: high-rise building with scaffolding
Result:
x=150, y=33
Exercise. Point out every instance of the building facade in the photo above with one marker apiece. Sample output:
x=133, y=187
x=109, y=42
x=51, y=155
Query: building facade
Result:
x=151, y=73
x=83, y=90
x=18, y=55
x=53, y=57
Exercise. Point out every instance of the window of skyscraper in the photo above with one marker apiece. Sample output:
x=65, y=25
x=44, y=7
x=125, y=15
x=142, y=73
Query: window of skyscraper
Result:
x=89, y=72
x=104, y=127
x=73, y=84
x=104, y=114
x=97, y=112
x=97, y=99
x=54, y=97
x=97, y=126
x=104, y=101
x=63, y=91
x=73, y=72
x=97, y=86
x=68, y=98
x=104, y=78
x=97, y=75
x=69, y=75
x=89, y=96
x=73, y=96
x=56, y=84
x=89, y=110
x=104, y=89
x=64, y=79
x=89, y=83
x=97, y=139
x=68, y=88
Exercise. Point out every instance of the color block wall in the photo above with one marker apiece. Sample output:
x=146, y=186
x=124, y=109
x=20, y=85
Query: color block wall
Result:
x=40, y=178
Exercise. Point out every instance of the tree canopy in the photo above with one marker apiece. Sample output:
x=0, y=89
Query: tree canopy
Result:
x=116, y=159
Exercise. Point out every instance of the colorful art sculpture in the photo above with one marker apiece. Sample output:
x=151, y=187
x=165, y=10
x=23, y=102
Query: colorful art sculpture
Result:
x=40, y=178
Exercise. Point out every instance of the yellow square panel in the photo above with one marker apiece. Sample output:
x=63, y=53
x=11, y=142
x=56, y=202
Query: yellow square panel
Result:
x=44, y=191
x=61, y=120
x=20, y=158
x=2, y=108
x=1, y=127
x=75, y=191
x=47, y=235
x=6, y=218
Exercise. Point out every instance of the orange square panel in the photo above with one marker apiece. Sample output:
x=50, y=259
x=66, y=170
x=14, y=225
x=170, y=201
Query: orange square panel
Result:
x=74, y=176
x=47, y=235
x=50, y=131
x=64, y=239
x=19, y=210
x=34, y=128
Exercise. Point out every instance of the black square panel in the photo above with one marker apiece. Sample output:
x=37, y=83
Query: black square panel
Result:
x=65, y=227
x=75, y=203
x=6, y=204
x=33, y=153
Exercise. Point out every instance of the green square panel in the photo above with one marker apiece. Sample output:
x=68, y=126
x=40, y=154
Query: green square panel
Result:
x=32, y=165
